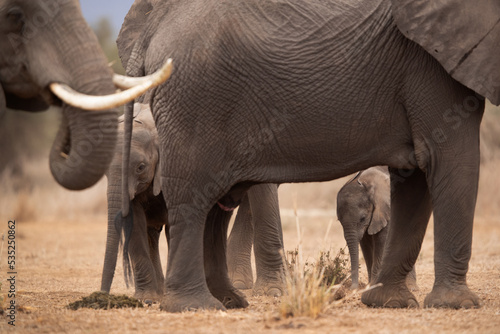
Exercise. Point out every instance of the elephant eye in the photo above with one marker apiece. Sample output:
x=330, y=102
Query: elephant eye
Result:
x=16, y=18
x=141, y=168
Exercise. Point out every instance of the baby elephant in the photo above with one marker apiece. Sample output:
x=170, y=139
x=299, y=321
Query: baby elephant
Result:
x=363, y=209
x=148, y=208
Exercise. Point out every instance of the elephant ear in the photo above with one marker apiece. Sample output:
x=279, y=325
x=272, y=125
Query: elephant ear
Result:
x=377, y=184
x=463, y=35
x=157, y=179
x=134, y=26
x=146, y=117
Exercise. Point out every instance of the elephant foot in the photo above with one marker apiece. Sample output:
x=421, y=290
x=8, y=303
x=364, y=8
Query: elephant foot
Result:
x=390, y=296
x=455, y=297
x=230, y=297
x=174, y=302
x=270, y=287
x=242, y=280
x=242, y=285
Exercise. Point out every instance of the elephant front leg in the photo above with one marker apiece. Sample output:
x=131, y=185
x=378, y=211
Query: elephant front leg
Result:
x=410, y=213
x=146, y=283
x=216, y=271
x=185, y=284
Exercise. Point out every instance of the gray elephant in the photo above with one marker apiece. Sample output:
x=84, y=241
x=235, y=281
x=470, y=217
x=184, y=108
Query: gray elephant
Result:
x=258, y=215
x=364, y=210
x=301, y=91
x=47, y=49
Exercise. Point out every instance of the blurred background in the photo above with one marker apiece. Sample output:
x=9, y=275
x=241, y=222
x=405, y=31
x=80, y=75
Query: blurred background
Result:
x=29, y=193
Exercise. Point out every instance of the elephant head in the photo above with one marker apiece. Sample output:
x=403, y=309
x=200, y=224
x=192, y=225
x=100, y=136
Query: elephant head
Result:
x=363, y=207
x=142, y=173
x=46, y=47
x=464, y=36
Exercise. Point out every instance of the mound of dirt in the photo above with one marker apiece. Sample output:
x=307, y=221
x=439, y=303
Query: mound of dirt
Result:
x=103, y=300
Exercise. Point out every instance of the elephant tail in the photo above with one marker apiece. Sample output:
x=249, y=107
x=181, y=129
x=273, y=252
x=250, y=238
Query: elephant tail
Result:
x=123, y=227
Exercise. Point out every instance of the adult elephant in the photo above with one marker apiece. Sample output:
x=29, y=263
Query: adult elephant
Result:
x=258, y=216
x=46, y=48
x=364, y=210
x=293, y=91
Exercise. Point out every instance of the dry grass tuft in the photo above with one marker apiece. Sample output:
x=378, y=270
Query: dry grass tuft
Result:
x=311, y=285
x=306, y=295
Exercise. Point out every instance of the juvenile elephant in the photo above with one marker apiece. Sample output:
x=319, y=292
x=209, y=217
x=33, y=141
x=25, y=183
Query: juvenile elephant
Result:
x=300, y=91
x=364, y=210
x=148, y=208
x=47, y=50
x=258, y=215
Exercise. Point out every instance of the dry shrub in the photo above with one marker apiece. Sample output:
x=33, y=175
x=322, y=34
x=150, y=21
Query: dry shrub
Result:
x=305, y=295
x=313, y=285
x=335, y=268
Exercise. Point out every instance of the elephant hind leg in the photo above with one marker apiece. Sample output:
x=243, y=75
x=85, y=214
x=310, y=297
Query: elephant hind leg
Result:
x=454, y=201
x=216, y=271
x=268, y=240
x=410, y=213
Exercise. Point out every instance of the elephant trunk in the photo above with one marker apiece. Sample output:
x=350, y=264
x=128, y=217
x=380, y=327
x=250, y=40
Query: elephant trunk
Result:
x=84, y=145
x=113, y=238
x=352, y=243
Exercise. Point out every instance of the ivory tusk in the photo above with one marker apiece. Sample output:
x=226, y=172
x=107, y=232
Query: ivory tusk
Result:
x=91, y=102
x=125, y=82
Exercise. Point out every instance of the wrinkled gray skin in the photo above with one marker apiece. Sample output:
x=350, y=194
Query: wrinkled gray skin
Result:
x=258, y=215
x=300, y=91
x=364, y=210
x=48, y=41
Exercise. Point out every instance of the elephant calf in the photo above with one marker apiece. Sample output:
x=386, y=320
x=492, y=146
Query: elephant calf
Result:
x=148, y=208
x=257, y=224
x=363, y=209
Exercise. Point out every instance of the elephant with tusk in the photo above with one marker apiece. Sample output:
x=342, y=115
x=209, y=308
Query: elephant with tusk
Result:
x=278, y=91
x=50, y=56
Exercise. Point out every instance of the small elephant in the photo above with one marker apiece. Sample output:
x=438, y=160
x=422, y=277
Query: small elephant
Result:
x=364, y=210
x=148, y=208
x=258, y=215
